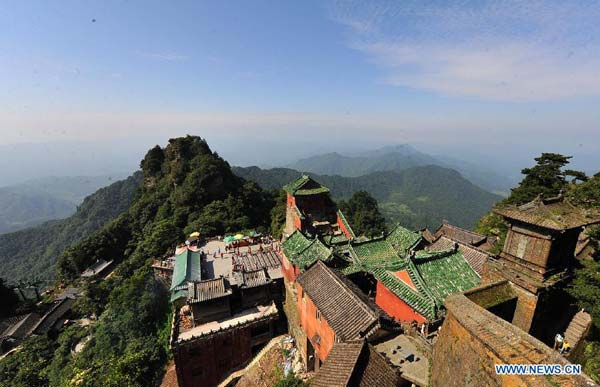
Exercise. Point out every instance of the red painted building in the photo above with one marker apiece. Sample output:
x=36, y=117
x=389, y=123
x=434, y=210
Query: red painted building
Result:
x=310, y=209
x=395, y=306
x=331, y=309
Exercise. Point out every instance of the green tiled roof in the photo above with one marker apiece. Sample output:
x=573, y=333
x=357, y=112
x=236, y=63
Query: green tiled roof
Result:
x=335, y=239
x=295, y=244
x=303, y=252
x=435, y=275
x=351, y=269
x=418, y=300
x=187, y=268
x=446, y=274
x=177, y=294
x=403, y=239
x=304, y=185
x=375, y=251
x=346, y=224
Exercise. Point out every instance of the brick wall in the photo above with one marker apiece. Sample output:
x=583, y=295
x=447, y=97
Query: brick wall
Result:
x=472, y=341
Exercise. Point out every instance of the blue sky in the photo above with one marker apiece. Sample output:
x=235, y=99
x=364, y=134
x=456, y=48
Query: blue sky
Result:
x=466, y=76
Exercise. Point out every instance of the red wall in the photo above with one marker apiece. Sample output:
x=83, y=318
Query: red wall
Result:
x=287, y=268
x=394, y=306
x=343, y=228
x=297, y=221
x=403, y=275
x=307, y=313
x=291, y=201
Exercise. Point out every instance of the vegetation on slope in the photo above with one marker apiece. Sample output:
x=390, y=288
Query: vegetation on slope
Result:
x=415, y=197
x=362, y=212
x=36, y=250
x=186, y=187
x=36, y=201
x=397, y=158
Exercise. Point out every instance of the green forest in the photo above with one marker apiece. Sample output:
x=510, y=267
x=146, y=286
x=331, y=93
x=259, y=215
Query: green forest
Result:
x=415, y=197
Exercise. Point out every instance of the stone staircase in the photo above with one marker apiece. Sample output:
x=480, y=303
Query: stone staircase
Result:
x=577, y=330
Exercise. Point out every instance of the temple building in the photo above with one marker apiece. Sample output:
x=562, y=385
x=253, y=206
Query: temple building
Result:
x=331, y=309
x=406, y=281
x=411, y=286
x=512, y=317
x=311, y=210
x=538, y=257
x=227, y=307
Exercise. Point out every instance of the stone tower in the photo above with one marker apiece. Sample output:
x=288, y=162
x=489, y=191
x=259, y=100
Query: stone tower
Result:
x=538, y=256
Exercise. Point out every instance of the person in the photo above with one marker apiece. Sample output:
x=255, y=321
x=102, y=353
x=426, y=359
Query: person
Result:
x=565, y=347
x=558, y=341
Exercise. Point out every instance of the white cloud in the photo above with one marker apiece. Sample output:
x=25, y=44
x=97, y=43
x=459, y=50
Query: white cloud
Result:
x=503, y=50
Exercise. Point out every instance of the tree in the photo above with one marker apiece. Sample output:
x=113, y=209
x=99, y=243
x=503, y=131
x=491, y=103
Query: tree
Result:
x=278, y=213
x=362, y=212
x=8, y=299
x=586, y=194
x=546, y=178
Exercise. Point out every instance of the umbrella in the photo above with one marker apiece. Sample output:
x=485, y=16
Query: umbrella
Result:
x=237, y=237
x=228, y=239
x=194, y=234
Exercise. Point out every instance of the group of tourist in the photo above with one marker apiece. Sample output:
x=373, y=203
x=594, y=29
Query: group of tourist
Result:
x=560, y=344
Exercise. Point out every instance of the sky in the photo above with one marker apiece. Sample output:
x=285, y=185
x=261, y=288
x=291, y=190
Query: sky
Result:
x=264, y=80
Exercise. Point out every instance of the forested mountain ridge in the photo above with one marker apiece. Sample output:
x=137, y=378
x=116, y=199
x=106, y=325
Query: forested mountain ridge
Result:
x=415, y=197
x=185, y=187
x=397, y=158
x=35, y=201
x=33, y=252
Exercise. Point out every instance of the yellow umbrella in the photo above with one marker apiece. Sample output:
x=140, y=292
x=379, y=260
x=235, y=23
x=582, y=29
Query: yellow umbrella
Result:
x=237, y=237
x=194, y=234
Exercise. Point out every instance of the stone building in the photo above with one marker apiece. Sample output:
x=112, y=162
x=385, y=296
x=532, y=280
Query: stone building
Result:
x=475, y=338
x=513, y=316
x=538, y=257
x=226, y=310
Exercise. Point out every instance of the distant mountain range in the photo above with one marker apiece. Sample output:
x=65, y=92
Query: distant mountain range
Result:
x=414, y=197
x=397, y=158
x=36, y=201
x=34, y=251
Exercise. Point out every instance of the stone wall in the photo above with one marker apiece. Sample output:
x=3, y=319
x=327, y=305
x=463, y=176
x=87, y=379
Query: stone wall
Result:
x=472, y=341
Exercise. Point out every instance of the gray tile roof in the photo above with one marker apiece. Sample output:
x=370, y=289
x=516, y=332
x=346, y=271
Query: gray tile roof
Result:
x=355, y=363
x=207, y=290
x=349, y=315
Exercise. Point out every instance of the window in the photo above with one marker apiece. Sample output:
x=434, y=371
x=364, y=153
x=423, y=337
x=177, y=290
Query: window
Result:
x=318, y=316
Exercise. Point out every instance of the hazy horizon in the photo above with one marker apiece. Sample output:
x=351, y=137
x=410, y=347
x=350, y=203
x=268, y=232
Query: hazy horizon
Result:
x=93, y=85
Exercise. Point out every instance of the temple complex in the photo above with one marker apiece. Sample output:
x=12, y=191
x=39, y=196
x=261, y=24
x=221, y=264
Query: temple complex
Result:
x=407, y=307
